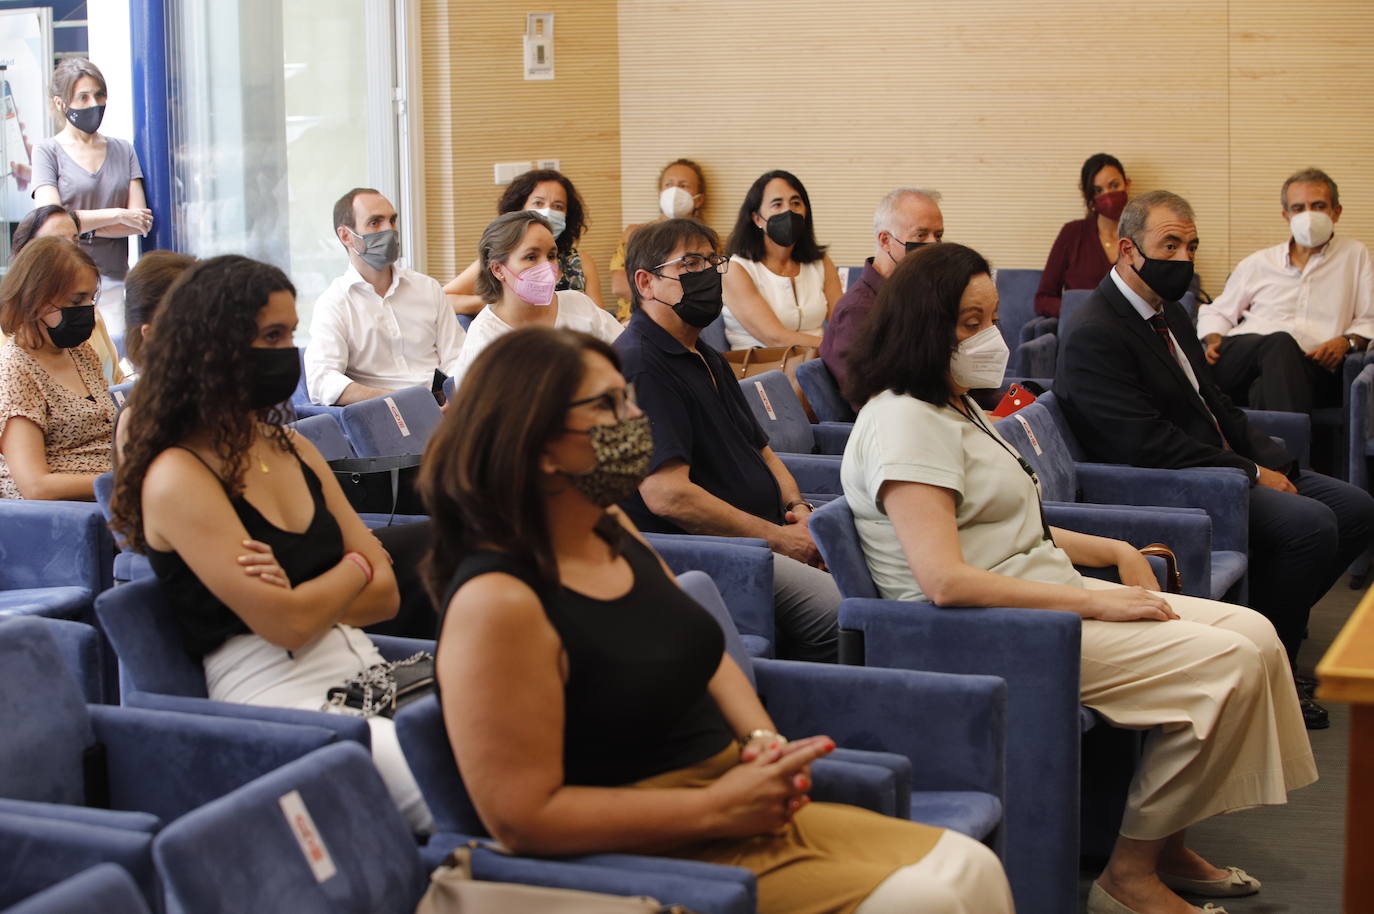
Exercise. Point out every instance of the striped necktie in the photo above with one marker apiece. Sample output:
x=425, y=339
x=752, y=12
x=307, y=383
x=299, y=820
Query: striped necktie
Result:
x=1161, y=326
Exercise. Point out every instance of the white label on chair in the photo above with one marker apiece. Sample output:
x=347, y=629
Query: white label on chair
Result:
x=400, y=420
x=1029, y=434
x=303, y=827
x=763, y=396
x=119, y=398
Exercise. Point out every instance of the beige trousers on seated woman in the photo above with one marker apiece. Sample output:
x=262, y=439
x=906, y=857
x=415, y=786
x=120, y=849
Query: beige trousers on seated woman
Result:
x=1216, y=692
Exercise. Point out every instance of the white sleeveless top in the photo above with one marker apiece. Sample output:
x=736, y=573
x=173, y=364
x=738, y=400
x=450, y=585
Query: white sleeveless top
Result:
x=798, y=301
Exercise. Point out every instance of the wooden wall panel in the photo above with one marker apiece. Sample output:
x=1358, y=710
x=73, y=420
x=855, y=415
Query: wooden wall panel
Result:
x=485, y=112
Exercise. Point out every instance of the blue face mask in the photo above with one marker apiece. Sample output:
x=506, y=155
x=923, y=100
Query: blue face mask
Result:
x=557, y=220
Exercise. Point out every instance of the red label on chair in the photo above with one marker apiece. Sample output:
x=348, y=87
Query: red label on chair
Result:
x=763, y=397
x=307, y=836
x=400, y=420
x=1029, y=434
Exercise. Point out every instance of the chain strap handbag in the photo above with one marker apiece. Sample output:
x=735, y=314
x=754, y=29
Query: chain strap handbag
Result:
x=452, y=890
x=384, y=688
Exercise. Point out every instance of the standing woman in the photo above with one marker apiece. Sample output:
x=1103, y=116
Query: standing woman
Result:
x=786, y=285
x=96, y=177
x=550, y=194
x=1086, y=248
x=269, y=570
x=590, y=703
x=56, y=416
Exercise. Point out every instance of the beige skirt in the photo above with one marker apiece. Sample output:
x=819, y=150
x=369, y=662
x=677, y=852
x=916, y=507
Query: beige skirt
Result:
x=827, y=860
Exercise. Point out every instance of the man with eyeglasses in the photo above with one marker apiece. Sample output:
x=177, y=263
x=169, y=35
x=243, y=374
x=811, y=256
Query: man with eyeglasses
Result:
x=906, y=218
x=712, y=471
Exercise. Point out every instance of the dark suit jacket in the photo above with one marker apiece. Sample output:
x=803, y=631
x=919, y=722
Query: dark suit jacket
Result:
x=1128, y=401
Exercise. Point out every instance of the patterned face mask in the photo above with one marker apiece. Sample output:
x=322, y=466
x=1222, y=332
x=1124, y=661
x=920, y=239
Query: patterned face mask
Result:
x=622, y=453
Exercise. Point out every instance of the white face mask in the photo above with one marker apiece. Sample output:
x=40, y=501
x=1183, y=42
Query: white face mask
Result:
x=674, y=202
x=981, y=360
x=1311, y=229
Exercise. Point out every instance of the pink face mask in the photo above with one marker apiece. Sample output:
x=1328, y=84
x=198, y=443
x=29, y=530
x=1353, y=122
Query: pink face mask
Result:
x=535, y=285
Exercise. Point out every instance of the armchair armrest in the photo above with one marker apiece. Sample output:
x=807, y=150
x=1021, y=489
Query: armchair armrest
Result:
x=41, y=852
x=831, y=437
x=1187, y=531
x=344, y=725
x=1222, y=492
x=952, y=728
x=54, y=543
x=1293, y=429
x=1039, y=325
x=167, y=763
x=872, y=787
x=819, y=473
x=1035, y=357
x=394, y=647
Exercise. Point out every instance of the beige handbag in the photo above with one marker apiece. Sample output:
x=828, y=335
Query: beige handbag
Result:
x=452, y=890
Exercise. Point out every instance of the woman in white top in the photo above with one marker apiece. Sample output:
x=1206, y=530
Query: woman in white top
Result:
x=518, y=269
x=786, y=285
x=947, y=513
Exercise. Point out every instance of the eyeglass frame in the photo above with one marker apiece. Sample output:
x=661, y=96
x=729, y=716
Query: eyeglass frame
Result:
x=719, y=261
x=627, y=399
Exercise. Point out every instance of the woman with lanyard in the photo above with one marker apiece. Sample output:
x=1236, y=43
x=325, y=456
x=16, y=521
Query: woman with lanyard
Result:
x=96, y=177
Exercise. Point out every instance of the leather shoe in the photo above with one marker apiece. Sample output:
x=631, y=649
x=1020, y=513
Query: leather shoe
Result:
x=1099, y=902
x=1236, y=883
x=1313, y=714
x=1307, y=686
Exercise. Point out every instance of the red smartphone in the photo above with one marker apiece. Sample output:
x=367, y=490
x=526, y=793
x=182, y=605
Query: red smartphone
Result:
x=1015, y=398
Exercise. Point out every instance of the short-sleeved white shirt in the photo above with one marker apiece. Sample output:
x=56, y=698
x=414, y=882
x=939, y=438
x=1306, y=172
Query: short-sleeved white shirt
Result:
x=901, y=438
x=576, y=311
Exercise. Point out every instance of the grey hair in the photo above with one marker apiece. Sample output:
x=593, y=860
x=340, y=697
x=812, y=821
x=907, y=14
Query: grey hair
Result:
x=887, y=206
x=1137, y=212
x=1310, y=176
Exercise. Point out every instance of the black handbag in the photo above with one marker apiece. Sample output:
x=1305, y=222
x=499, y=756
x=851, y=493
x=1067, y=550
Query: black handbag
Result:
x=384, y=688
x=380, y=485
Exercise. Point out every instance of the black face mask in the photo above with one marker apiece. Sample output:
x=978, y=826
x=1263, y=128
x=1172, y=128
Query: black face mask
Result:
x=910, y=246
x=1168, y=279
x=786, y=228
x=701, y=297
x=75, y=328
x=87, y=120
x=276, y=372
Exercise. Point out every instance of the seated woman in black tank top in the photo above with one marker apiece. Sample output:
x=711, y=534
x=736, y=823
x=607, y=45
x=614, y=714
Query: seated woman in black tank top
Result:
x=590, y=703
x=269, y=569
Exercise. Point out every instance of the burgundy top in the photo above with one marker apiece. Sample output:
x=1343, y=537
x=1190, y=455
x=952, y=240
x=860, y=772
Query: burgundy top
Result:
x=845, y=320
x=1077, y=261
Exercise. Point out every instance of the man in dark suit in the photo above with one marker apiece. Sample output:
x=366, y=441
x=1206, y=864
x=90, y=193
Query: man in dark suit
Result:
x=1136, y=389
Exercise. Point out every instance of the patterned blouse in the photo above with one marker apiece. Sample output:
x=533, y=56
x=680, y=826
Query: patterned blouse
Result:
x=570, y=265
x=77, y=429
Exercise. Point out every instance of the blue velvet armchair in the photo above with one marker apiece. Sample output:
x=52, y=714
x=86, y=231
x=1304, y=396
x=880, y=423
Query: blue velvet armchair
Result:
x=54, y=557
x=102, y=889
x=156, y=672
x=376, y=431
x=741, y=567
x=929, y=746
x=42, y=850
x=781, y=415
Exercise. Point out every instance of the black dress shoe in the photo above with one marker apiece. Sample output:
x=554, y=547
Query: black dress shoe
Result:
x=1307, y=686
x=1313, y=714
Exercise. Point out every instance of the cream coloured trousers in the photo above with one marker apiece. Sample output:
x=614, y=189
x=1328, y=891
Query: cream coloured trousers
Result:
x=958, y=876
x=1214, y=689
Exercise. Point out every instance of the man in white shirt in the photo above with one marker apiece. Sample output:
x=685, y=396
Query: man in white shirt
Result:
x=1278, y=333
x=378, y=327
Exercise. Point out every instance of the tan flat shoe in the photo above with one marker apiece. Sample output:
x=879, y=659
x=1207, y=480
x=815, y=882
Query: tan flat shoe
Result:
x=1235, y=885
x=1099, y=902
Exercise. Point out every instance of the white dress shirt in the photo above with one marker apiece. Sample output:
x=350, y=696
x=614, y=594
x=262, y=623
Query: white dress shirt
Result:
x=390, y=341
x=1333, y=295
x=576, y=311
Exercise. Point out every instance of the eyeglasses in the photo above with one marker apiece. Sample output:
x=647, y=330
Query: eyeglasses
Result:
x=618, y=402
x=695, y=263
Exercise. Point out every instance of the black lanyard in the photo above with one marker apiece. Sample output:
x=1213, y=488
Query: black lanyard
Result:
x=972, y=408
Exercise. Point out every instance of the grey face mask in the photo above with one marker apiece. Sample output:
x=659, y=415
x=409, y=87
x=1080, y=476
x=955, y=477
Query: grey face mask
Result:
x=380, y=249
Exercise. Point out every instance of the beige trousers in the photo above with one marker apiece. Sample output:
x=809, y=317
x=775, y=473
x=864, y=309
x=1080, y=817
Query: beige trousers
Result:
x=1215, y=691
x=958, y=876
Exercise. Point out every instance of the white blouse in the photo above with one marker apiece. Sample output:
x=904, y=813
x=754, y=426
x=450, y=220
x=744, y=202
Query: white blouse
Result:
x=798, y=301
x=576, y=311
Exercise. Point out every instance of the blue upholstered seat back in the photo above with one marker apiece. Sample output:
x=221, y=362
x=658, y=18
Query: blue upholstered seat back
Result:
x=1016, y=302
x=53, y=544
x=832, y=527
x=742, y=569
x=1051, y=405
x=243, y=852
x=779, y=412
x=43, y=717
x=699, y=586
x=1031, y=430
x=142, y=627
x=301, y=395
x=103, y=889
x=823, y=393
x=119, y=393
x=713, y=335
x=1068, y=311
x=374, y=431
x=326, y=434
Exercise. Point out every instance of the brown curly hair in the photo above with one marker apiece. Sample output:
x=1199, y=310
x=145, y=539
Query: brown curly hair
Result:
x=196, y=377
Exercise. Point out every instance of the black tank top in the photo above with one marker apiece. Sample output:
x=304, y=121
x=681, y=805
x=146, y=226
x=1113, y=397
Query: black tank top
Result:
x=636, y=702
x=205, y=622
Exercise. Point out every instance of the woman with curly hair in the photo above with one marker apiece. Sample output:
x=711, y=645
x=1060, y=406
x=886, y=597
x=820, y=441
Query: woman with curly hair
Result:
x=550, y=194
x=269, y=569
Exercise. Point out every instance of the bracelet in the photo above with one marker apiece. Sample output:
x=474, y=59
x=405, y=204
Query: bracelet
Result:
x=799, y=503
x=361, y=561
x=761, y=734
